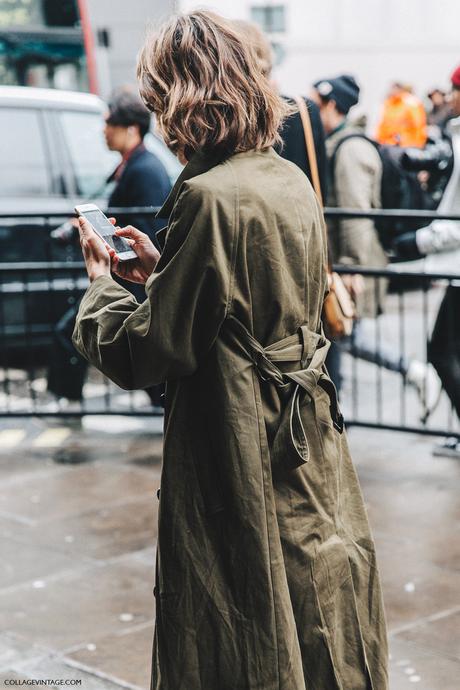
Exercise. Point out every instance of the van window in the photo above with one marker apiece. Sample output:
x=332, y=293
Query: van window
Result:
x=23, y=161
x=92, y=162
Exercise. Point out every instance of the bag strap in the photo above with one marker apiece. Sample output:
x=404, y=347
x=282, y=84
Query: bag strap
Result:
x=312, y=159
x=353, y=135
x=310, y=146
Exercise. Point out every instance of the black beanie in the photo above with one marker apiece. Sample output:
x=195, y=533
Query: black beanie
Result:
x=343, y=90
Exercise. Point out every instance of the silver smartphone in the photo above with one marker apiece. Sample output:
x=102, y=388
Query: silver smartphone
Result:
x=104, y=228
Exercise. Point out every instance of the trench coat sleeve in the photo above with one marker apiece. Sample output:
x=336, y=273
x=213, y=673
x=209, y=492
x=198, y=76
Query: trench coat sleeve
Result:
x=188, y=296
x=358, y=173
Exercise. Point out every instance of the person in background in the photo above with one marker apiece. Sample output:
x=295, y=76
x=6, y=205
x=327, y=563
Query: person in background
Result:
x=140, y=179
x=403, y=120
x=294, y=149
x=455, y=95
x=355, y=174
x=441, y=109
x=293, y=145
x=444, y=346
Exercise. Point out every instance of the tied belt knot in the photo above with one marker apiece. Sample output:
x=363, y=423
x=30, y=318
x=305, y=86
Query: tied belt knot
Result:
x=307, y=348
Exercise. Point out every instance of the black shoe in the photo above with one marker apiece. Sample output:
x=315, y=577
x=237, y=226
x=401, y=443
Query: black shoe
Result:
x=450, y=448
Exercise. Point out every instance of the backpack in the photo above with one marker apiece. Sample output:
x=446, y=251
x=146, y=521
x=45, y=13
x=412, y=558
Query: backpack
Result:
x=400, y=189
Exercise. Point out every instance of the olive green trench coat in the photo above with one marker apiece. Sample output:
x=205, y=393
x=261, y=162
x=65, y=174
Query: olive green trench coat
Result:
x=266, y=576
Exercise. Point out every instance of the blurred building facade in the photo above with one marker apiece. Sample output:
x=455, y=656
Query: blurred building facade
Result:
x=44, y=42
x=75, y=45
x=118, y=28
x=378, y=41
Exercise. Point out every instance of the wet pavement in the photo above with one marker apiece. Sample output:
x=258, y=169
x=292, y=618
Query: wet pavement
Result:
x=78, y=546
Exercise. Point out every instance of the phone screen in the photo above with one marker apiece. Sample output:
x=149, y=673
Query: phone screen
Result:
x=105, y=229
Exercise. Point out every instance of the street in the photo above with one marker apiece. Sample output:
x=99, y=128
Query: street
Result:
x=78, y=544
x=216, y=144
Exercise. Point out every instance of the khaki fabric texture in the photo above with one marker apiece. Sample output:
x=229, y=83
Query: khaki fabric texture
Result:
x=266, y=575
x=355, y=183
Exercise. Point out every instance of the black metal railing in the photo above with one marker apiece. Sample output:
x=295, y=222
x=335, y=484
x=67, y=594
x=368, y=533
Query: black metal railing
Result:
x=329, y=211
x=38, y=299
x=388, y=381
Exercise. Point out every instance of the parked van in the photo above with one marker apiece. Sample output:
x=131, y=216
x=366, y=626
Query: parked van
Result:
x=52, y=157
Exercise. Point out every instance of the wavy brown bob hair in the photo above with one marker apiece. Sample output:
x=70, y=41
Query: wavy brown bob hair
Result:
x=203, y=83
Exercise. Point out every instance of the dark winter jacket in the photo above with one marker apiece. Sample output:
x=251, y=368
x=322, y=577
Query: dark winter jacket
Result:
x=294, y=147
x=143, y=182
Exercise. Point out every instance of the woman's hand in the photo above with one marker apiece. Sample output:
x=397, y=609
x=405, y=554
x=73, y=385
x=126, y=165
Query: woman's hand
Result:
x=354, y=284
x=95, y=251
x=139, y=269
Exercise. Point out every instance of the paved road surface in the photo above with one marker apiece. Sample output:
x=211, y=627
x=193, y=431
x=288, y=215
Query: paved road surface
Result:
x=78, y=547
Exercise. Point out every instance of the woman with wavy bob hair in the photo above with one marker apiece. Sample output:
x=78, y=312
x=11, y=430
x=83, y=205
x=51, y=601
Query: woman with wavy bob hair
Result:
x=205, y=88
x=266, y=575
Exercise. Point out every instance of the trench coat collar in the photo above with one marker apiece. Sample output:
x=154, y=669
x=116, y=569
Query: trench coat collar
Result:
x=199, y=163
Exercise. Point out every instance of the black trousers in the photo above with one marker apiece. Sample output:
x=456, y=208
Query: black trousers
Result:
x=334, y=365
x=444, y=346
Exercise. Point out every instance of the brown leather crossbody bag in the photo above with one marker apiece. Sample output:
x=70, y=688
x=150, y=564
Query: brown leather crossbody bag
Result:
x=339, y=309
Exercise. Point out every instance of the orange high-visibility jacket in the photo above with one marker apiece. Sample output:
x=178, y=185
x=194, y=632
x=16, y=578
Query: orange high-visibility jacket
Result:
x=403, y=121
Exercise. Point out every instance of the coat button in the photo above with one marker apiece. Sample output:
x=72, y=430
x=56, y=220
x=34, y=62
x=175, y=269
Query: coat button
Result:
x=155, y=592
x=158, y=494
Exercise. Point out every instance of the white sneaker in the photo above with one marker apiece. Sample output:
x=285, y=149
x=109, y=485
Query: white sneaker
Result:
x=450, y=448
x=424, y=379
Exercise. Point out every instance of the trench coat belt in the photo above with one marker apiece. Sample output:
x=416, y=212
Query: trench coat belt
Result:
x=305, y=347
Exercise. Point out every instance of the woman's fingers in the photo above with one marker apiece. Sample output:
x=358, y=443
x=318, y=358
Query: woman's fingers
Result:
x=90, y=240
x=120, y=271
x=116, y=265
x=87, y=233
x=119, y=267
x=113, y=220
x=131, y=232
x=84, y=228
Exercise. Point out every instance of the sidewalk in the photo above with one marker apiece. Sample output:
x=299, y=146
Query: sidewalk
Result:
x=78, y=545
